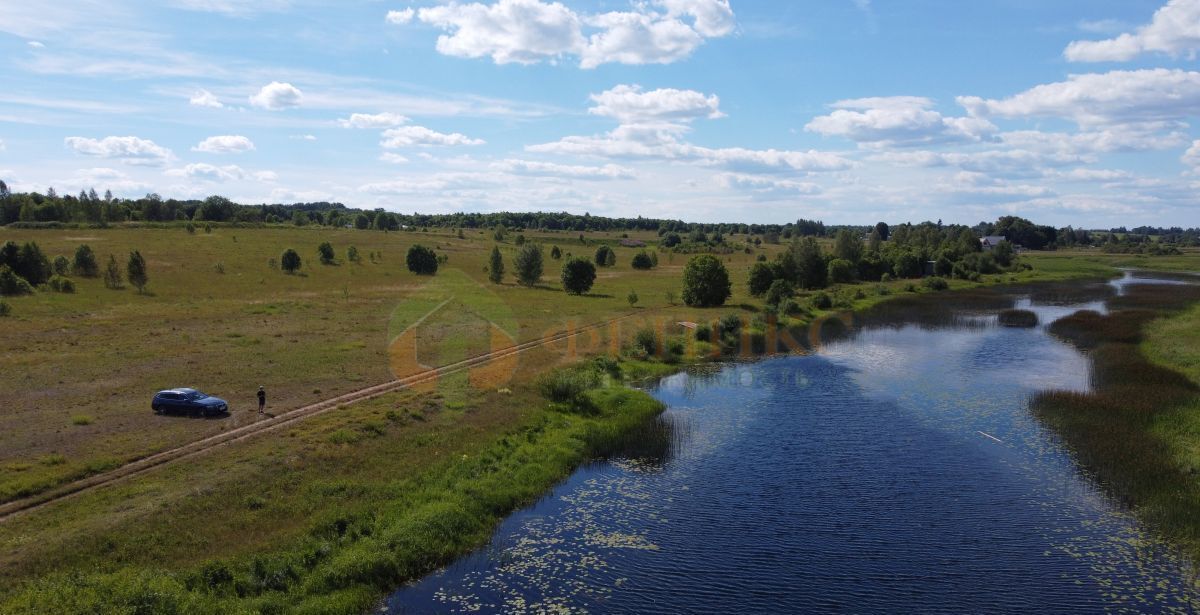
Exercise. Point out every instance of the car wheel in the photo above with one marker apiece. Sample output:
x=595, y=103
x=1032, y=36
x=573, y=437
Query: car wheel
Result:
x=157, y=409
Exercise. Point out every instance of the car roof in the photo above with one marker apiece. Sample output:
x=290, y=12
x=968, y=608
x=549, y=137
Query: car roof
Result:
x=182, y=390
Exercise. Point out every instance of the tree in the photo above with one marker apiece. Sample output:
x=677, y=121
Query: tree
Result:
x=670, y=240
x=604, y=255
x=632, y=298
x=290, y=261
x=496, y=266
x=578, y=275
x=761, y=276
x=85, y=262
x=325, y=252
x=32, y=264
x=528, y=264
x=61, y=265
x=112, y=274
x=136, y=271
x=705, y=282
x=642, y=260
x=362, y=222
x=809, y=263
x=421, y=260
x=499, y=233
x=841, y=271
x=13, y=284
x=520, y=240
x=848, y=246
x=555, y=253
x=874, y=241
x=883, y=230
x=1003, y=253
x=352, y=255
x=780, y=291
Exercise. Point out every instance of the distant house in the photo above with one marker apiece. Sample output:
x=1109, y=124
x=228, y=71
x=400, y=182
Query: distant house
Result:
x=990, y=242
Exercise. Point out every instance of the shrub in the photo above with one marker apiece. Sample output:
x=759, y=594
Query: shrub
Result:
x=520, y=240
x=61, y=265
x=642, y=260
x=578, y=275
x=605, y=257
x=886, y=277
x=191, y=228
x=496, y=266
x=555, y=253
x=112, y=274
x=646, y=340
x=780, y=291
x=729, y=323
x=841, y=271
x=705, y=282
x=13, y=284
x=26, y=261
x=761, y=277
x=528, y=264
x=632, y=298
x=325, y=253
x=136, y=271
x=670, y=297
x=85, y=262
x=935, y=283
x=219, y=268
x=568, y=385
x=82, y=419
x=60, y=284
x=421, y=260
x=821, y=301
x=290, y=261
x=352, y=255
x=703, y=332
x=5, y=309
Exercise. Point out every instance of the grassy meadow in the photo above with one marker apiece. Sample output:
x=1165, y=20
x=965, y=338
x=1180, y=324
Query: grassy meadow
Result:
x=326, y=514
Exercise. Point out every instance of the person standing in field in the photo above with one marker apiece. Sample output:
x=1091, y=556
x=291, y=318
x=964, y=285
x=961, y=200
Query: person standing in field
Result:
x=262, y=399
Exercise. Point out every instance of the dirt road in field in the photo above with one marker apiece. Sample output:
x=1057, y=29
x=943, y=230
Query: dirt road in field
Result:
x=199, y=447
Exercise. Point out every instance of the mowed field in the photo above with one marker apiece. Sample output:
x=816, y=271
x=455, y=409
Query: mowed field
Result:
x=79, y=369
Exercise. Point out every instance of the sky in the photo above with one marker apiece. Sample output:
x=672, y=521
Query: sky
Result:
x=849, y=111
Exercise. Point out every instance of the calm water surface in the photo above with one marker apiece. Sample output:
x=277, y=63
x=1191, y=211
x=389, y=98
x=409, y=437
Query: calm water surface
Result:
x=897, y=469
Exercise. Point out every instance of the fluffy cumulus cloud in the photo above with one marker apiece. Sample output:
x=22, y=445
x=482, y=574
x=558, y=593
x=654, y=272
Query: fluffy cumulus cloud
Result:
x=897, y=121
x=1174, y=30
x=567, y=171
x=531, y=31
x=277, y=95
x=420, y=136
x=1192, y=156
x=204, y=98
x=225, y=144
x=628, y=104
x=376, y=120
x=210, y=173
x=400, y=17
x=1149, y=95
x=129, y=150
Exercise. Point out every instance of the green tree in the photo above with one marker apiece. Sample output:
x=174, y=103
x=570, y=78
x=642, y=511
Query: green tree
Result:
x=362, y=222
x=578, y=275
x=528, y=264
x=290, y=261
x=632, y=298
x=604, y=256
x=352, y=255
x=848, y=246
x=85, y=264
x=780, y=291
x=499, y=233
x=841, y=271
x=496, y=266
x=61, y=265
x=555, y=253
x=705, y=282
x=883, y=230
x=136, y=271
x=874, y=241
x=761, y=276
x=112, y=274
x=13, y=284
x=421, y=260
x=520, y=240
x=325, y=252
x=642, y=260
x=810, y=270
x=1003, y=253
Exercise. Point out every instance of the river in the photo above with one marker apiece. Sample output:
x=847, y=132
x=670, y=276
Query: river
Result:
x=895, y=469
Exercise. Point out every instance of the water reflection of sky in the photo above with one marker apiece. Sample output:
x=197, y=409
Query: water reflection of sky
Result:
x=896, y=470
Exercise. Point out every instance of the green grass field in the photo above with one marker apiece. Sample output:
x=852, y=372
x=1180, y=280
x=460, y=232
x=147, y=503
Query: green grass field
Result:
x=76, y=386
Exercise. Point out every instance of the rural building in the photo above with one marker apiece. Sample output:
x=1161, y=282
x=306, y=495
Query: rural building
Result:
x=990, y=242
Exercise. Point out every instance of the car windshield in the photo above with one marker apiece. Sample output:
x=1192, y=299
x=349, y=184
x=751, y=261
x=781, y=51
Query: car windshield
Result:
x=196, y=395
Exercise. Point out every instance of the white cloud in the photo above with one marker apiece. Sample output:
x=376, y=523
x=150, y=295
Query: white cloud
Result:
x=1150, y=95
x=1174, y=30
x=897, y=121
x=303, y=137
x=550, y=169
x=628, y=104
x=266, y=176
x=400, y=17
x=531, y=31
x=36, y=44
x=129, y=150
x=393, y=158
x=208, y=172
x=420, y=136
x=233, y=8
x=378, y=120
x=225, y=144
x=764, y=186
x=2, y=146
x=204, y=98
x=277, y=95
x=101, y=178
x=1192, y=156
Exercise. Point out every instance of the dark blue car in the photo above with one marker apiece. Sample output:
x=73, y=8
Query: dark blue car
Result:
x=187, y=401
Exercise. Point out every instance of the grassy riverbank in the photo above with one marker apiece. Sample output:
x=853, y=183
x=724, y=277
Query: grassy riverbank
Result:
x=1138, y=432
x=389, y=528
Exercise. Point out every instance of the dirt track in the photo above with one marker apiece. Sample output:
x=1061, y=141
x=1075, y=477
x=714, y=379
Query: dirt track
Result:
x=199, y=447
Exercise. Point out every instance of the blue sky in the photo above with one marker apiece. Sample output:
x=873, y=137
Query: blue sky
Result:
x=850, y=111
